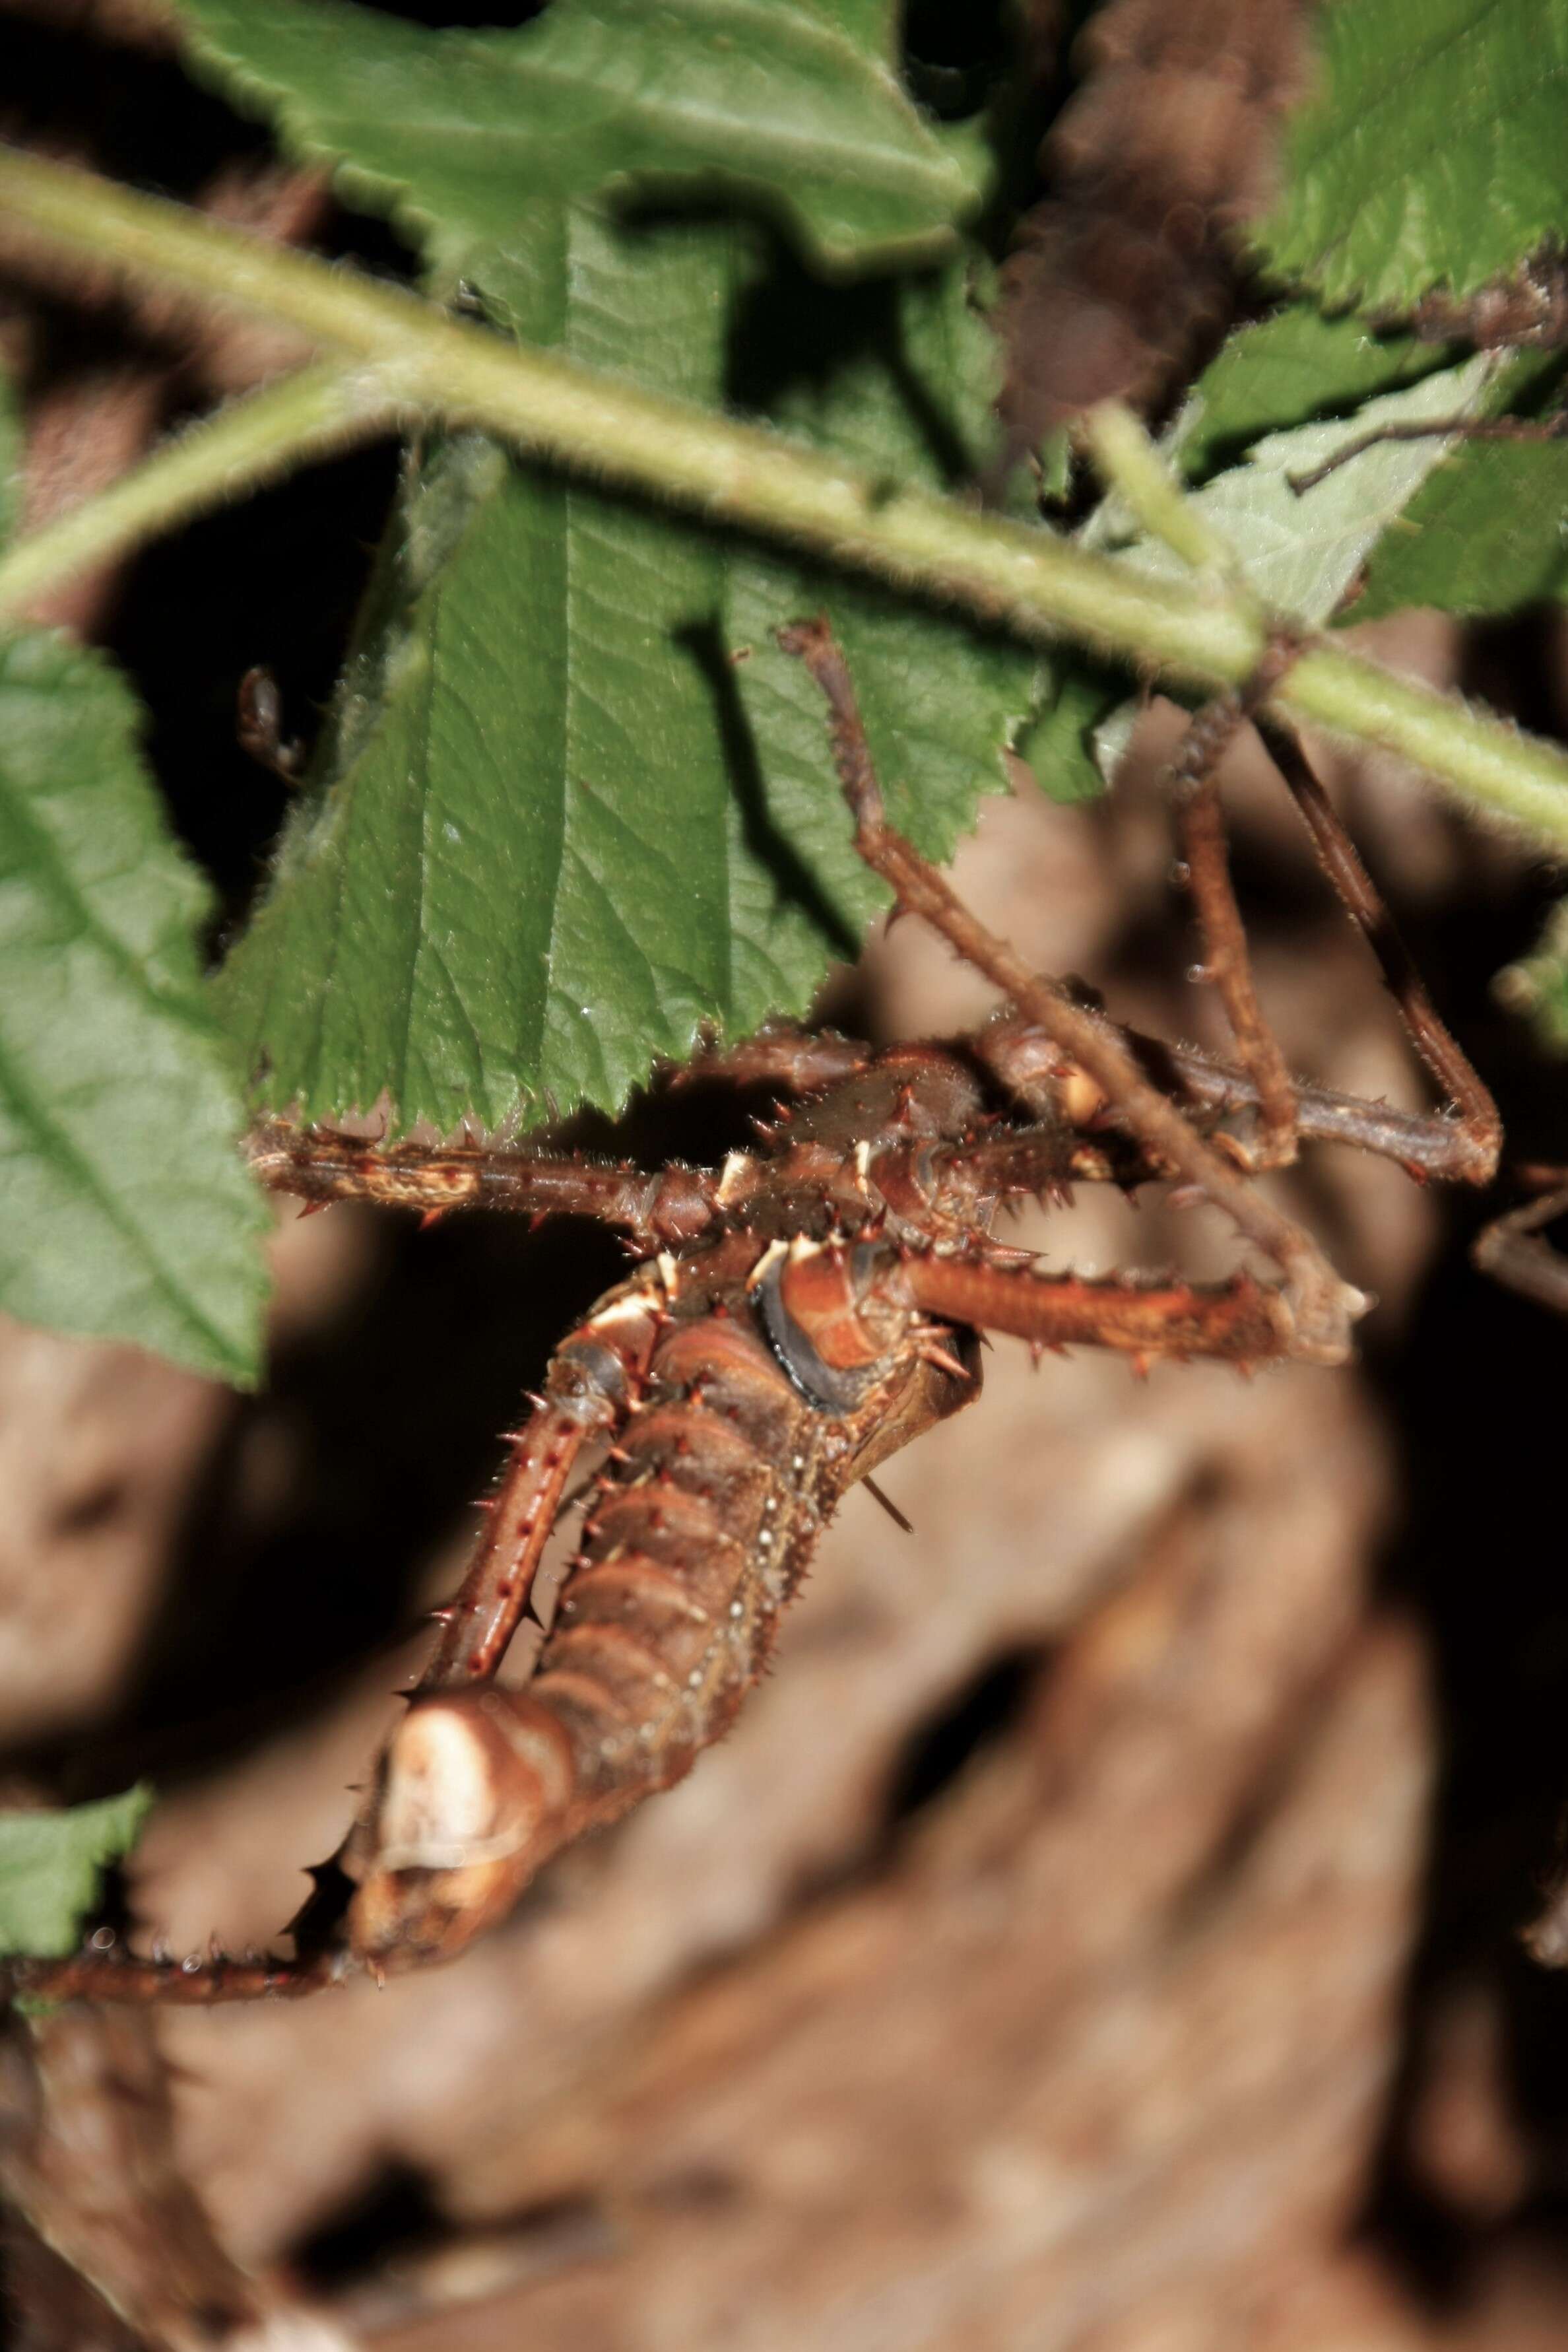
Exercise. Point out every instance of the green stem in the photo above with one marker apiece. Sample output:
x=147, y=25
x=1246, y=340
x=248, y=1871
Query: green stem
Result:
x=316, y=409
x=1133, y=467
x=1027, y=579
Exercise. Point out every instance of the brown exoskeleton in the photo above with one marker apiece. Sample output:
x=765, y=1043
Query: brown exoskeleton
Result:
x=797, y=1316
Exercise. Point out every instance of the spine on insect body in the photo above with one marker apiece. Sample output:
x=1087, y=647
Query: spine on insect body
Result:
x=697, y=1530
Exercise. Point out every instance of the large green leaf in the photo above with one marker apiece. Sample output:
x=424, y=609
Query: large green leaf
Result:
x=545, y=839
x=1431, y=152
x=790, y=105
x=127, y=1213
x=51, y=1870
x=554, y=829
x=512, y=879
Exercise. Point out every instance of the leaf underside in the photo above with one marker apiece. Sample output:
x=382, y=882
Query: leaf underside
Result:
x=127, y=1214
x=1301, y=554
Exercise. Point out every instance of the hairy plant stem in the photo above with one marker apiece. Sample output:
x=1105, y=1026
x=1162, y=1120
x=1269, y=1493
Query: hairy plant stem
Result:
x=315, y=411
x=1136, y=471
x=740, y=476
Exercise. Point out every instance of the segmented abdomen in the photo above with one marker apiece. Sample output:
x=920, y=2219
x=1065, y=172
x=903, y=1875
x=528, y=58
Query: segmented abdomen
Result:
x=697, y=1530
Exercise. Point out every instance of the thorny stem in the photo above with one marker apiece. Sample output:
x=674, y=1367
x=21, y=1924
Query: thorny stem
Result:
x=1027, y=579
x=1324, y=1305
x=312, y=413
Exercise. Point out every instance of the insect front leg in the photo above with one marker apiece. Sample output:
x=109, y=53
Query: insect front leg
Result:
x=656, y=1210
x=1030, y=1066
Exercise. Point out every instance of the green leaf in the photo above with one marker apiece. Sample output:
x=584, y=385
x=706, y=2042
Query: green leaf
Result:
x=1301, y=554
x=510, y=881
x=789, y=105
x=910, y=402
x=1296, y=368
x=128, y=1213
x=554, y=830
x=1255, y=416
x=51, y=1870
x=1431, y=152
x=546, y=839
x=1074, y=698
x=1485, y=534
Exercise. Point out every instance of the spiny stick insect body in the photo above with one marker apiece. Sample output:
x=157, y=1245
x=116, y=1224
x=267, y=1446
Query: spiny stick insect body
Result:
x=799, y=1314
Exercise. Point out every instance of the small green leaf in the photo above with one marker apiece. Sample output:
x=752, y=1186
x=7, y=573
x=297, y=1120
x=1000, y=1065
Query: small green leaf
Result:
x=1296, y=368
x=784, y=104
x=1430, y=153
x=127, y=1212
x=51, y=1870
x=1074, y=696
x=1300, y=553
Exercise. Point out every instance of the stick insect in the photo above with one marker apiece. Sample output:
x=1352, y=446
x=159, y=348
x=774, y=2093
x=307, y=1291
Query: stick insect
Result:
x=795, y=1316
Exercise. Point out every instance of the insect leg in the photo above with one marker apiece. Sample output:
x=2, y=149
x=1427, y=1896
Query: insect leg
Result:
x=1474, y=1134
x=801, y=1059
x=113, y=1974
x=1513, y=1249
x=1320, y=1307
x=1193, y=779
x=319, y=1166
x=1241, y=1319
x=477, y=1627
